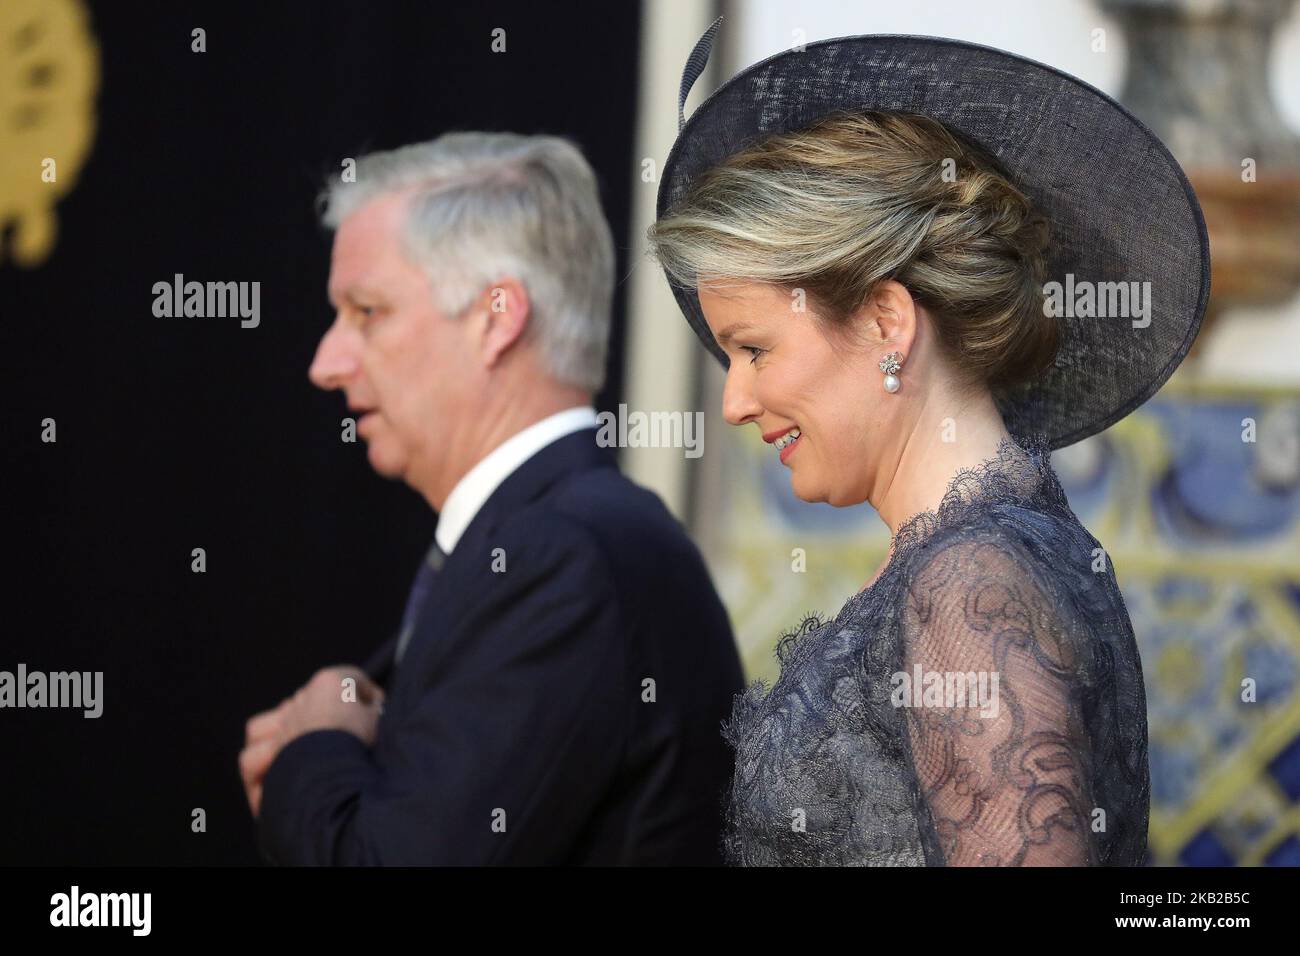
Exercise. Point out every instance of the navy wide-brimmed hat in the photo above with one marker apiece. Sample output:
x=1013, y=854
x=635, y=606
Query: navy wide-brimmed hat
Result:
x=1119, y=206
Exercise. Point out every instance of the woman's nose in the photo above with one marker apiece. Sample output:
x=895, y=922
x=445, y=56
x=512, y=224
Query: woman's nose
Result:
x=738, y=403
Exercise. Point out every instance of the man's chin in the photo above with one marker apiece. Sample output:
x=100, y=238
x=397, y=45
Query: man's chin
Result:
x=385, y=464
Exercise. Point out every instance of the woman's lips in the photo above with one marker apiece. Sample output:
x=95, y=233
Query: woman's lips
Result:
x=788, y=450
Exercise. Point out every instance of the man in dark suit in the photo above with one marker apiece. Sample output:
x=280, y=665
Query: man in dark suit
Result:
x=556, y=690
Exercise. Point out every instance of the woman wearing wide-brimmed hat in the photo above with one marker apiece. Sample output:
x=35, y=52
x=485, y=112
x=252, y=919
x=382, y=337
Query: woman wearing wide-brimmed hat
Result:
x=925, y=264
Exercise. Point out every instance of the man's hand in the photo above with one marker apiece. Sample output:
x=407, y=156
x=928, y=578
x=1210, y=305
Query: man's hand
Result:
x=336, y=698
x=262, y=741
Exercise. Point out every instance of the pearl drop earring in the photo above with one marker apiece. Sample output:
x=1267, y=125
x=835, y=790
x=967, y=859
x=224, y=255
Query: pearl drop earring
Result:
x=890, y=365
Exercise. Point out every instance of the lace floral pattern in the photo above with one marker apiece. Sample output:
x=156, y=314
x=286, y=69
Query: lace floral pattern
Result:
x=838, y=764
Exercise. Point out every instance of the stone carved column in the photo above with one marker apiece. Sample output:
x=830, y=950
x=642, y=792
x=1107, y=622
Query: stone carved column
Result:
x=1198, y=76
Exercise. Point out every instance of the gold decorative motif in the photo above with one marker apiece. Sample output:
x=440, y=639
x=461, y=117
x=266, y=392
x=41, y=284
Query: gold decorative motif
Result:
x=49, y=78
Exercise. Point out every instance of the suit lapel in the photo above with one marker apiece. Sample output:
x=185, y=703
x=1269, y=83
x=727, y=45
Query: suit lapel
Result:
x=565, y=456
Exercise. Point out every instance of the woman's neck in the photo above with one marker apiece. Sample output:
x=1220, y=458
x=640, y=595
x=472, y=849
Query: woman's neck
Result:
x=933, y=449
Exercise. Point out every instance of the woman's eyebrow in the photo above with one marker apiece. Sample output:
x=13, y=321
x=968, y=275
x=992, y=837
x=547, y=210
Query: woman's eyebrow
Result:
x=725, y=335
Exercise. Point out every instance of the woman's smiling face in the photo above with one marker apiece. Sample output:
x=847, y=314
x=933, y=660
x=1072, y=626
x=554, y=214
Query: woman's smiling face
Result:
x=788, y=374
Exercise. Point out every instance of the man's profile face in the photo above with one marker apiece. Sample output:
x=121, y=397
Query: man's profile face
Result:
x=404, y=367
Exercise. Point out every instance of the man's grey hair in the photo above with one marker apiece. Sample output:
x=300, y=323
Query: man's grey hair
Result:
x=489, y=206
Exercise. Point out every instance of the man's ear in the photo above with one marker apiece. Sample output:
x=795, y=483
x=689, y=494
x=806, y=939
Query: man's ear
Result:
x=891, y=314
x=505, y=309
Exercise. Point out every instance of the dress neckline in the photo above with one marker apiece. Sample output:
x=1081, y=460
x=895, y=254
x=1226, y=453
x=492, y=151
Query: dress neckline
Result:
x=1019, y=471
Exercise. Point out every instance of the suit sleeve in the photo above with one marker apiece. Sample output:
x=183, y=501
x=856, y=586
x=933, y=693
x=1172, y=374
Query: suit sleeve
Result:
x=508, y=745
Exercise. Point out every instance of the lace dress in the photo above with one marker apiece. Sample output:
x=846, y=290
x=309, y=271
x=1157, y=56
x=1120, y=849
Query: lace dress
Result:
x=864, y=751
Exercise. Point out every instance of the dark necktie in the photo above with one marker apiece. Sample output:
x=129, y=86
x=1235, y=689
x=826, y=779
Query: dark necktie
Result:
x=420, y=589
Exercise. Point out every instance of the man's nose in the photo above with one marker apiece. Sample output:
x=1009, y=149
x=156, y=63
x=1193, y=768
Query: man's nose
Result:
x=336, y=358
x=738, y=403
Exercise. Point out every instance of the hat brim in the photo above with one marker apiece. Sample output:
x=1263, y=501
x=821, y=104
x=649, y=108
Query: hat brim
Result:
x=1119, y=205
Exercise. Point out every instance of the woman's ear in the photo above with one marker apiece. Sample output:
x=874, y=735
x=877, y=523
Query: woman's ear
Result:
x=890, y=316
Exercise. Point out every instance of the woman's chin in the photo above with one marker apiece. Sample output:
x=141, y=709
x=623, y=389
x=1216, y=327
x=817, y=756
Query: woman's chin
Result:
x=816, y=493
x=806, y=490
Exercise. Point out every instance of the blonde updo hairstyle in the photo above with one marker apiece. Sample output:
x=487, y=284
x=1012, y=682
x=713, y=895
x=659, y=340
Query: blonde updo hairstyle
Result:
x=857, y=198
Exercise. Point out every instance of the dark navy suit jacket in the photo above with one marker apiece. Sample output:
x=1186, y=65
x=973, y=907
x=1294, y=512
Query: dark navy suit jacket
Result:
x=564, y=710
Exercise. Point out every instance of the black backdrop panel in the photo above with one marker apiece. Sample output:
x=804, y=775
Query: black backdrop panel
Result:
x=176, y=433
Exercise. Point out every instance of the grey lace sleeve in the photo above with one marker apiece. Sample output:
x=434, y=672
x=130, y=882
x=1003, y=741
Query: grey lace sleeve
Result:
x=1004, y=770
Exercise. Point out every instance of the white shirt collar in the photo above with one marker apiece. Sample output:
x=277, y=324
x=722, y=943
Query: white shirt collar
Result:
x=477, y=485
